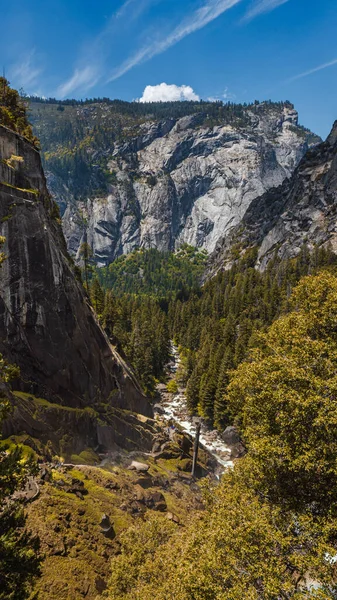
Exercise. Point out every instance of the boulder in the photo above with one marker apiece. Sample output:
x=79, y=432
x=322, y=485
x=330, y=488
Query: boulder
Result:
x=107, y=527
x=139, y=467
x=172, y=517
x=156, y=501
x=231, y=436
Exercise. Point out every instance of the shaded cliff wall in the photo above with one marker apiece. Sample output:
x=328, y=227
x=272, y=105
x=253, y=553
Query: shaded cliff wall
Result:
x=46, y=324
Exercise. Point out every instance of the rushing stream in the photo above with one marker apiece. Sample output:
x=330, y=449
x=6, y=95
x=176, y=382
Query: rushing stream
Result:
x=173, y=407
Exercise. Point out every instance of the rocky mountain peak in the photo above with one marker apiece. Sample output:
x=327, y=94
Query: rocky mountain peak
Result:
x=168, y=179
x=300, y=211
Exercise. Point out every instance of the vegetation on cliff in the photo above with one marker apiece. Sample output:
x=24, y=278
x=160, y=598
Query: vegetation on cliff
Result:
x=154, y=273
x=13, y=111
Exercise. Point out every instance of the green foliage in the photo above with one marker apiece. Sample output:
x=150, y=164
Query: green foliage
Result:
x=284, y=399
x=139, y=328
x=131, y=299
x=19, y=550
x=218, y=326
x=269, y=528
x=97, y=297
x=86, y=258
x=13, y=111
x=19, y=554
x=155, y=273
x=139, y=546
x=240, y=548
x=2, y=254
x=172, y=387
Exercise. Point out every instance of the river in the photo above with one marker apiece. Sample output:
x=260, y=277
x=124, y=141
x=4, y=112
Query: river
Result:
x=173, y=407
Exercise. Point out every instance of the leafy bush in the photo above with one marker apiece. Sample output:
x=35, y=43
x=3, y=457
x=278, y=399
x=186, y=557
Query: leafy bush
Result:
x=13, y=111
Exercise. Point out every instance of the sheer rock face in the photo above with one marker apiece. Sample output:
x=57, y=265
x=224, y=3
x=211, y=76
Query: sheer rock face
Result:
x=302, y=210
x=180, y=181
x=46, y=324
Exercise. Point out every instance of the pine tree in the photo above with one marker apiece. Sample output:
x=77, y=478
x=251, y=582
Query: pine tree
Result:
x=97, y=297
x=192, y=391
x=221, y=413
x=86, y=256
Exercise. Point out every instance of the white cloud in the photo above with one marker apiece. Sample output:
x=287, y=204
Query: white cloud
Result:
x=260, y=7
x=168, y=93
x=82, y=79
x=25, y=73
x=314, y=70
x=197, y=20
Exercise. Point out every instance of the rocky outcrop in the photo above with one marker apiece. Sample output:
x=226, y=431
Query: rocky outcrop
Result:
x=47, y=326
x=303, y=210
x=73, y=430
x=182, y=180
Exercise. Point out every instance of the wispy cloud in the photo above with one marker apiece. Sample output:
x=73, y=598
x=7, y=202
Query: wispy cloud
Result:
x=123, y=9
x=82, y=79
x=331, y=63
x=90, y=64
x=25, y=73
x=260, y=7
x=224, y=95
x=197, y=20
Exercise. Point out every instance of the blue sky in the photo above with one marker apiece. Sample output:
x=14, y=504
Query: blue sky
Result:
x=238, y=50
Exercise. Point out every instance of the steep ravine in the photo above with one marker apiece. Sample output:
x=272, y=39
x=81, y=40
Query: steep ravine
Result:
x=173, y=408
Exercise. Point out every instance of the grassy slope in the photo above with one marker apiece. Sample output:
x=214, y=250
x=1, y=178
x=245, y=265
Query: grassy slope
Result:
x=77, y=554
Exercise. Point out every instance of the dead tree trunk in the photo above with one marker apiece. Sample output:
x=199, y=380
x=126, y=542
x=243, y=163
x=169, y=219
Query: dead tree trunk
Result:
x=195, y=449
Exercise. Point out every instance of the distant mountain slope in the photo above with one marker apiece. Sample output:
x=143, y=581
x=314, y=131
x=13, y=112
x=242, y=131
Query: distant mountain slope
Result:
x=303, y=210
x=158, y=175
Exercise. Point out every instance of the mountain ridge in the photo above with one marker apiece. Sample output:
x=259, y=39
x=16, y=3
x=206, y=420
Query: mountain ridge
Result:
x=162, y=182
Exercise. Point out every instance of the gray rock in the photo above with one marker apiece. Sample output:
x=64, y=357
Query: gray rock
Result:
x=172, y=517
x=107, y=527
x=156, y=501
x=183, y=181
x=47, y=326
x=231, y=436
x=301, y=210
x=139, y=467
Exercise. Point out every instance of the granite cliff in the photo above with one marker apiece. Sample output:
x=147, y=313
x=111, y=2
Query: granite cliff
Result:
x=159, y=182
x=47, y=326
x=303, y=210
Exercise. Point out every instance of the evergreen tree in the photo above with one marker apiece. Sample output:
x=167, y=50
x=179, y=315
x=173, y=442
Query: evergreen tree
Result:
x=86, y=255
x=97, y=297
